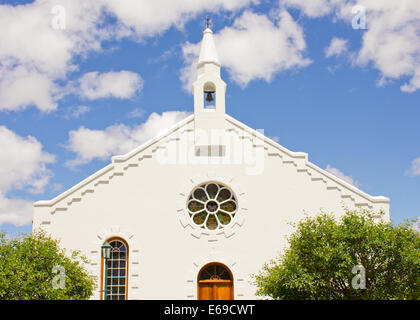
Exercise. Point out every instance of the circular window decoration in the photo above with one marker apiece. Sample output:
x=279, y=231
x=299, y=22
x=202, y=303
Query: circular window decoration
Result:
x=212, y=206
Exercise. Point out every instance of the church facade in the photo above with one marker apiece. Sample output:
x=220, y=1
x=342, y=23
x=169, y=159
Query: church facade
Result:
x=192, y=213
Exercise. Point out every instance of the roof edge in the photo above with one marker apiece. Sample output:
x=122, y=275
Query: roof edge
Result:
x=373, y=199
x=132, y=153
x=109, y=167
x=127, y=156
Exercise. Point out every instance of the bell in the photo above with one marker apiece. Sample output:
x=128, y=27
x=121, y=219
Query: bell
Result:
x=209, y=97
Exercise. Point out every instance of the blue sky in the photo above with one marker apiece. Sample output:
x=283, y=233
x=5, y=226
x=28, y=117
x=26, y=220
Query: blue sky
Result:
x=355, y=109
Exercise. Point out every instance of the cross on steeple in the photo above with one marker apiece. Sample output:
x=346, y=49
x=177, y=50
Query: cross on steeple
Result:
x=208, y=22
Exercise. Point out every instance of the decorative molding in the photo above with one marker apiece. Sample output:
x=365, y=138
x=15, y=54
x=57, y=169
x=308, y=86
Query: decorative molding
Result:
x=302, y=165
x=219, y=257
x=118, y=167
x=120, y=164
x=95, y=259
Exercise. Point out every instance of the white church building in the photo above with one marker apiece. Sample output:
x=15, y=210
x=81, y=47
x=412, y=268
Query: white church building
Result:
x=194, y=212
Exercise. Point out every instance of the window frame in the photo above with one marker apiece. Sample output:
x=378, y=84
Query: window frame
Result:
x=203, y=226
x=215, y=264
x=126, y=267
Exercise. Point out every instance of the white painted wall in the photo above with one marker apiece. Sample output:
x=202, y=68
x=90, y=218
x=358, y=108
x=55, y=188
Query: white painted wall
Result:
x=142, y=200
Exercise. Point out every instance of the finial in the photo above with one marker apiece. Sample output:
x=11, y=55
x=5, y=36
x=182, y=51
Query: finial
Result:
x=208, y=22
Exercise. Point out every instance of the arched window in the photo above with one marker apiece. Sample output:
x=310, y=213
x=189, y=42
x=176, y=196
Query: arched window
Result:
x=215, y=282
x=115, y=282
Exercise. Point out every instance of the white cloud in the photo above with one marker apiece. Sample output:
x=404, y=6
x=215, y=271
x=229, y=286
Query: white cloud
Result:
x=341, y=175
x=122, y=84
x=22, y=162
x=56, y=187
x=391, y=42
x=21, y=88
x=118, y=139
x=15, y=211
x=76, y=112
x=415, y=167
x=147, y=18
x=135, y=113
x=312, y=8
x=35, y=57
x=333, y=69
x=337, y=47
x=188, y=73
x=255, y=47
x=23, y=167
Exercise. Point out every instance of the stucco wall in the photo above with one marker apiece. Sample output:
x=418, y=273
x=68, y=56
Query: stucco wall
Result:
x=142, y=200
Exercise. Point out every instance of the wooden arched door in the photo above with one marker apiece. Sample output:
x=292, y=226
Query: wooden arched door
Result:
x=215, y=282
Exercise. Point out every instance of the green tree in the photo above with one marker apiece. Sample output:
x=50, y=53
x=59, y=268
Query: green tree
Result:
x=322, y=252
x=31, y=268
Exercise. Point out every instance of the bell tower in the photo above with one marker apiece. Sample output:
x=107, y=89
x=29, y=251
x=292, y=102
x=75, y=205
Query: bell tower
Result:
x=209, y=90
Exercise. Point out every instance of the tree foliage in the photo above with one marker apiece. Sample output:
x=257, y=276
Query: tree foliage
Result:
x=27, y=270
x=322, y=252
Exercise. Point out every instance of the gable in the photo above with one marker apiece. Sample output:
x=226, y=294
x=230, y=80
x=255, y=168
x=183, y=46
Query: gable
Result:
x=180, y=137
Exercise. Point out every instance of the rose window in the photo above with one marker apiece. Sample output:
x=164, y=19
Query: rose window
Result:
x=212, y=206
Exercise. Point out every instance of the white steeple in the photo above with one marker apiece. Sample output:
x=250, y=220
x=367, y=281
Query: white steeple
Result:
x=208, y=53
x=209, y=87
